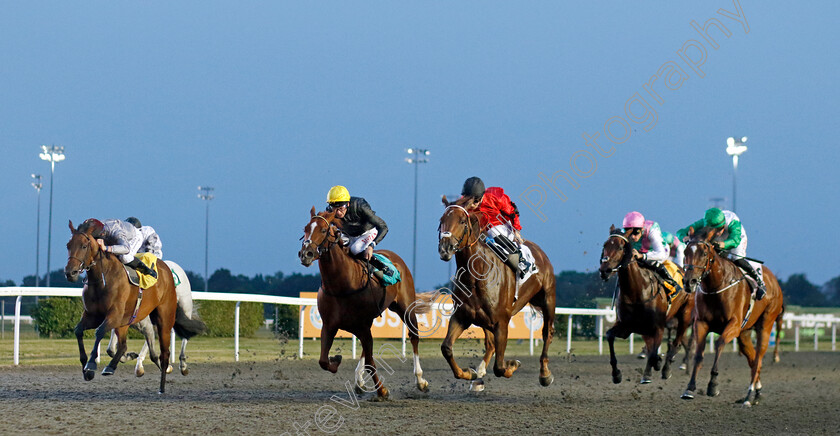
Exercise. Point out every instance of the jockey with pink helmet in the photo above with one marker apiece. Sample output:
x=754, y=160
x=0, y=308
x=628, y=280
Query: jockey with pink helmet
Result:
x=648, y=247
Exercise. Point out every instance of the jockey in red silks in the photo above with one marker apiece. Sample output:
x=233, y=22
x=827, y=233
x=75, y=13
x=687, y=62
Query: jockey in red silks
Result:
x=500, y=223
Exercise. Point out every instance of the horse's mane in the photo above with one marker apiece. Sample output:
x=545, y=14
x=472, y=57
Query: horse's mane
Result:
x=702, y=234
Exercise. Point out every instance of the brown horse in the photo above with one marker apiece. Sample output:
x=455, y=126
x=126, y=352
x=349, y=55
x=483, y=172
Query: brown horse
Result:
x=350, y=299
x=110, y=302
x=722, y=303
x=642, y=306
x=485, y=288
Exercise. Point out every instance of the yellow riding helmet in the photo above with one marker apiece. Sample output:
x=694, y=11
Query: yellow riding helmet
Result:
x=338, y=194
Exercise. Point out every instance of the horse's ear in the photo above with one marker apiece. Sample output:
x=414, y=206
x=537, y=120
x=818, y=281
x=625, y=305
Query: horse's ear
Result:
x=445, y=201
x=691, y=231
x=612, y=228
x=72, y=229
x=312, y=212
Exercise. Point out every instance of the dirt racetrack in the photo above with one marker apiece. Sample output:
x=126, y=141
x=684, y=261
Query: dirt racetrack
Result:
x=801, y=396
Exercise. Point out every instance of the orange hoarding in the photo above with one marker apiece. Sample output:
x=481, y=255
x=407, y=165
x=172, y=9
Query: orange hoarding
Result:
x=430, y=325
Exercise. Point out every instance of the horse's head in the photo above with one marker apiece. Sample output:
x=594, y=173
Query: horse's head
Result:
x=699, y=256
x=456, y=227
x=81, y=252
x=614, y=253
x=318, y=234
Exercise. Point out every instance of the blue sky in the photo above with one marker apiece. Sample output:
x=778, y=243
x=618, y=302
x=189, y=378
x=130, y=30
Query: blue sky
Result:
x=274, y=102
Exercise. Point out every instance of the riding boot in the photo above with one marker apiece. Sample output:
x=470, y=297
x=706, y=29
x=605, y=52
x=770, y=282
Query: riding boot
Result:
x=515, y=262
x=378, y=264
x=141, y=267
x=497, y=248
x=663, y=272
x=747, y=267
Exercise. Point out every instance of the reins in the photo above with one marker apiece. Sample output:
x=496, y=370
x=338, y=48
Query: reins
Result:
x=467, y=225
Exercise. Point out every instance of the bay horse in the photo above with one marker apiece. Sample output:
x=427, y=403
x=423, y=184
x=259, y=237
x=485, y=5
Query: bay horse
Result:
x=183, y=291
x=642, y=306
x=110, y=302
x=485, y=289
x=350, y=299
x=722, y=298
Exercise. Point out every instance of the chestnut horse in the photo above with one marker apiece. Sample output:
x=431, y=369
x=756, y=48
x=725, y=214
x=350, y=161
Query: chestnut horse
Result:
x=110, y=302
x=484, y=289
x=350, y=299
x=722, y=302
x=642, y=306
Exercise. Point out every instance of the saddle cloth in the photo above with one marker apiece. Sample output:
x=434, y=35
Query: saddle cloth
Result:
x=142, y=280
x=676, y=274
x=388, y=279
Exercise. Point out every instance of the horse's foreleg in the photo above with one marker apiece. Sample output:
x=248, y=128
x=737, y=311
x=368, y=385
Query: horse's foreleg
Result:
x=105, y=327
x=164, y=330
x=406, y=313
x=327, y=336
x=701, y=329
x=674, y=346
x=730, y=332
x=503, y=367
x=87, y=322
x=546, y=378
x=746, y=347
x=121, y=334
x=112, y=344
x=183, y=357
x=618, y=330
x=456, y=327
x=653, y=360
x=366, y=339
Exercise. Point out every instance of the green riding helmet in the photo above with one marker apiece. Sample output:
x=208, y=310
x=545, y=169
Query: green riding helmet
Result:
x=714, y=218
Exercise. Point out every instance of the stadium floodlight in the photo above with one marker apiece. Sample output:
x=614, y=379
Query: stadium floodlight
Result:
x=51, y=154
x=206, y=194
x=735, y=147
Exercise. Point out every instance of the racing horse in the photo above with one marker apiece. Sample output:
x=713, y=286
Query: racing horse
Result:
x=485, y=290
x=183, y=291
x=642, y=306
x=723, y=306
x=112, y=302
x=350, y=299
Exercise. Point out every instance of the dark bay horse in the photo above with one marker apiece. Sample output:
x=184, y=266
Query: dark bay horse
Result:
x=484, y=289
x=642, y=306
x=350, y=299
x=110, y=302
x=722, y=302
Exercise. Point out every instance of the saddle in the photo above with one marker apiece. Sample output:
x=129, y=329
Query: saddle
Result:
x=142, y=280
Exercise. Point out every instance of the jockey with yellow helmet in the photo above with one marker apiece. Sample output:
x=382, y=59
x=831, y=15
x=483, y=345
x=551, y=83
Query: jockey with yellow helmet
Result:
x=648, y=248
x=731, y=241
x=362, y=229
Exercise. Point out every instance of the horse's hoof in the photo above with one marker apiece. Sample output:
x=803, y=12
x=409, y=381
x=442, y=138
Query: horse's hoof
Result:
x=645, y=380
x=616, y=377
x=359, y=390
x=89, y=374
x=515, y=364
x=382, y=395
x=712, y=391
x=108, y=371
x=683, y=367
x=169, y=369
x=185, y=371
x=642, y=356
x=746, y=404
x=547, y=381
x=139, y=373
x=477, y=386
x=131, y=356
x=666, y=374
x=687, y=395
x=473, y=375
x=423, y=386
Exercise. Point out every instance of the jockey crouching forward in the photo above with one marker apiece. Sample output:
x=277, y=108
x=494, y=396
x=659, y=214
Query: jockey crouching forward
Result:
x=648, y=248
x=120, y=238
x=732, y=239
x=500, y=222
x=361, y=228
x=151, y=241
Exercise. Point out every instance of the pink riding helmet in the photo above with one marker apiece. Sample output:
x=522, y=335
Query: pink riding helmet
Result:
x=633, y=220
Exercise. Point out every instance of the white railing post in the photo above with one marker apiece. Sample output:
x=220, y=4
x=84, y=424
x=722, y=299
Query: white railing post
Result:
x=403, y=339
x=17, y=329
x=172, y=347
x=532, y=314
x=236, y=332
x=300, y=331
x=632, y=350
x=353, y=338
x=600, y=334
x=834, y=335
x=796, y=335
x=816, y=337
x=569, y=336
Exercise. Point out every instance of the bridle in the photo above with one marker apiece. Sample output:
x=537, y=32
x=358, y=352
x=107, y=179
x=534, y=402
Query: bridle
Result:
x=624, y=261
x=326, y=243
x=710, y=259
x=466, y=234
x=82, y=266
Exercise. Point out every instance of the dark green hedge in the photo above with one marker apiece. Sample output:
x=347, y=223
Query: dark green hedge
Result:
x=56, y=317
x=219, y=315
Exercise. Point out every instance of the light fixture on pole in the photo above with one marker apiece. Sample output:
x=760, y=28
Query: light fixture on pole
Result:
x=51, y=154
x=37, y=184
x=735, y=147
x=418, y=157
x=207, y=196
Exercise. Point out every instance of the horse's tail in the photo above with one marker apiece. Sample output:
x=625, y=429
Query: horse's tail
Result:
x=778, y=333
x=186, y=327
x=423, y=303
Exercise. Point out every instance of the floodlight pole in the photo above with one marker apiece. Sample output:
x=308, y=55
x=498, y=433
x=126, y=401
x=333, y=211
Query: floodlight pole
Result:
x=735, y=147
x=52, y=154
x=37, y=185
x=416, y=160
x=207, y=196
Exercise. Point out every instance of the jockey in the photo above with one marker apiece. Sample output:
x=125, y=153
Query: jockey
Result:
x=120, y=238
x=361, y=228
x=151, y=240
x=675, y=247
x=500, y=220
x=648, y=248
x=732, y=239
